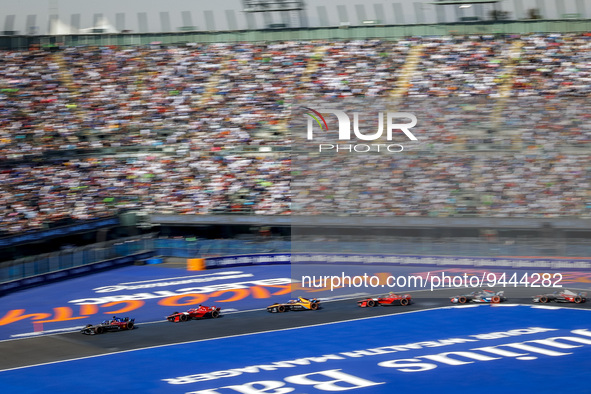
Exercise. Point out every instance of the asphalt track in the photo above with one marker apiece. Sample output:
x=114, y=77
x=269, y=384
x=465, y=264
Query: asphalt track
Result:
x=72, y=345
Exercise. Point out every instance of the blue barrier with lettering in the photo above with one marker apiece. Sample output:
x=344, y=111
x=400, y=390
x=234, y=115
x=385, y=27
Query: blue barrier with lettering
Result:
x=406, y=260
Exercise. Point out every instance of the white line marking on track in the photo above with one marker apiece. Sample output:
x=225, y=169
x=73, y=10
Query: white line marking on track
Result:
x=221, y=274
x=230, y=311
x=270, y=331
x=329, y=299
x=213, y=339
x=41, y=333
x=551, y=307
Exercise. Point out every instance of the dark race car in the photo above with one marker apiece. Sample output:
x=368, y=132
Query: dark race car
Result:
x=387, y=299
x=562, y=296
x=115, y=324
x=480, y=296
x=195, y=313
x=300, y=304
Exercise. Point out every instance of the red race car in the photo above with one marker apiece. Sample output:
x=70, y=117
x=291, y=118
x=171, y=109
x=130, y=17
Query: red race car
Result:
x=387, y=299
x=195, y=313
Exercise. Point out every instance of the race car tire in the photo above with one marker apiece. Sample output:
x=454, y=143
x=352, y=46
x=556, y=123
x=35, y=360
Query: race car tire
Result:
x=314, y=306
x=578, y=300
x=99, y=330
x=215, y=314
x=371, y=303
x=183, y=317
x=543, y=299
x=280, y=308
x=129, y=325
x=496, y=299
x=462, y=300
x=404, y=301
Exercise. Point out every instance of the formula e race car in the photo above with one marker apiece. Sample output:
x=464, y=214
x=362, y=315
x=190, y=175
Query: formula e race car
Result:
x=195, y=313
x=116, y=324
x=562, y=296
x=387, y=299
x=300, y=304
x=481, y=296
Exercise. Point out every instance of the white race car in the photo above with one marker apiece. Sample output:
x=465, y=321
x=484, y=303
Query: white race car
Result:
x=562, y=296
x=481, y=296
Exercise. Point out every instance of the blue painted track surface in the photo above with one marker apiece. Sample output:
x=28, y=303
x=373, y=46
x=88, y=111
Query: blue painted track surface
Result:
x=146, y=370
x=157, y=291
x=141, y=282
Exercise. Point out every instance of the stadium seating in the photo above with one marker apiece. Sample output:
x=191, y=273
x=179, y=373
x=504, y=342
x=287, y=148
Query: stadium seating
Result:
x=157, y=128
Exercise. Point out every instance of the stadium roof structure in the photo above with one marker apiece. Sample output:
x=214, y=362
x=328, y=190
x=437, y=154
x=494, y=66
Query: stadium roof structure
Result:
x=467, y=2
x=273, y=5
x=102, y=25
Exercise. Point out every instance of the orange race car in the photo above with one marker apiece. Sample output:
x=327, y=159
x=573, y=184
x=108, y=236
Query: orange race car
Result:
x=299, y=304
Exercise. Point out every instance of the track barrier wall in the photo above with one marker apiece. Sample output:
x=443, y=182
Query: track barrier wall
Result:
x=68, y=273
x=402, y=260
x=233, y=253
x=52, y=262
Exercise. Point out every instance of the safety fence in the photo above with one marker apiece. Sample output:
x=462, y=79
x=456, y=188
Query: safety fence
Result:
x=210, y=248
x=71, y=258
x=194, y=248
x=72, y=272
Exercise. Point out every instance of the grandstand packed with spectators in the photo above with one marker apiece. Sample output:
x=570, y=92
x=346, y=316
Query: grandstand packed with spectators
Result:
x=551, y=185
x=190, y=106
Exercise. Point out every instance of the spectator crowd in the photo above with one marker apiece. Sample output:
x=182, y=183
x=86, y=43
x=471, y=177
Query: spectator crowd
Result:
x=203, y=100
